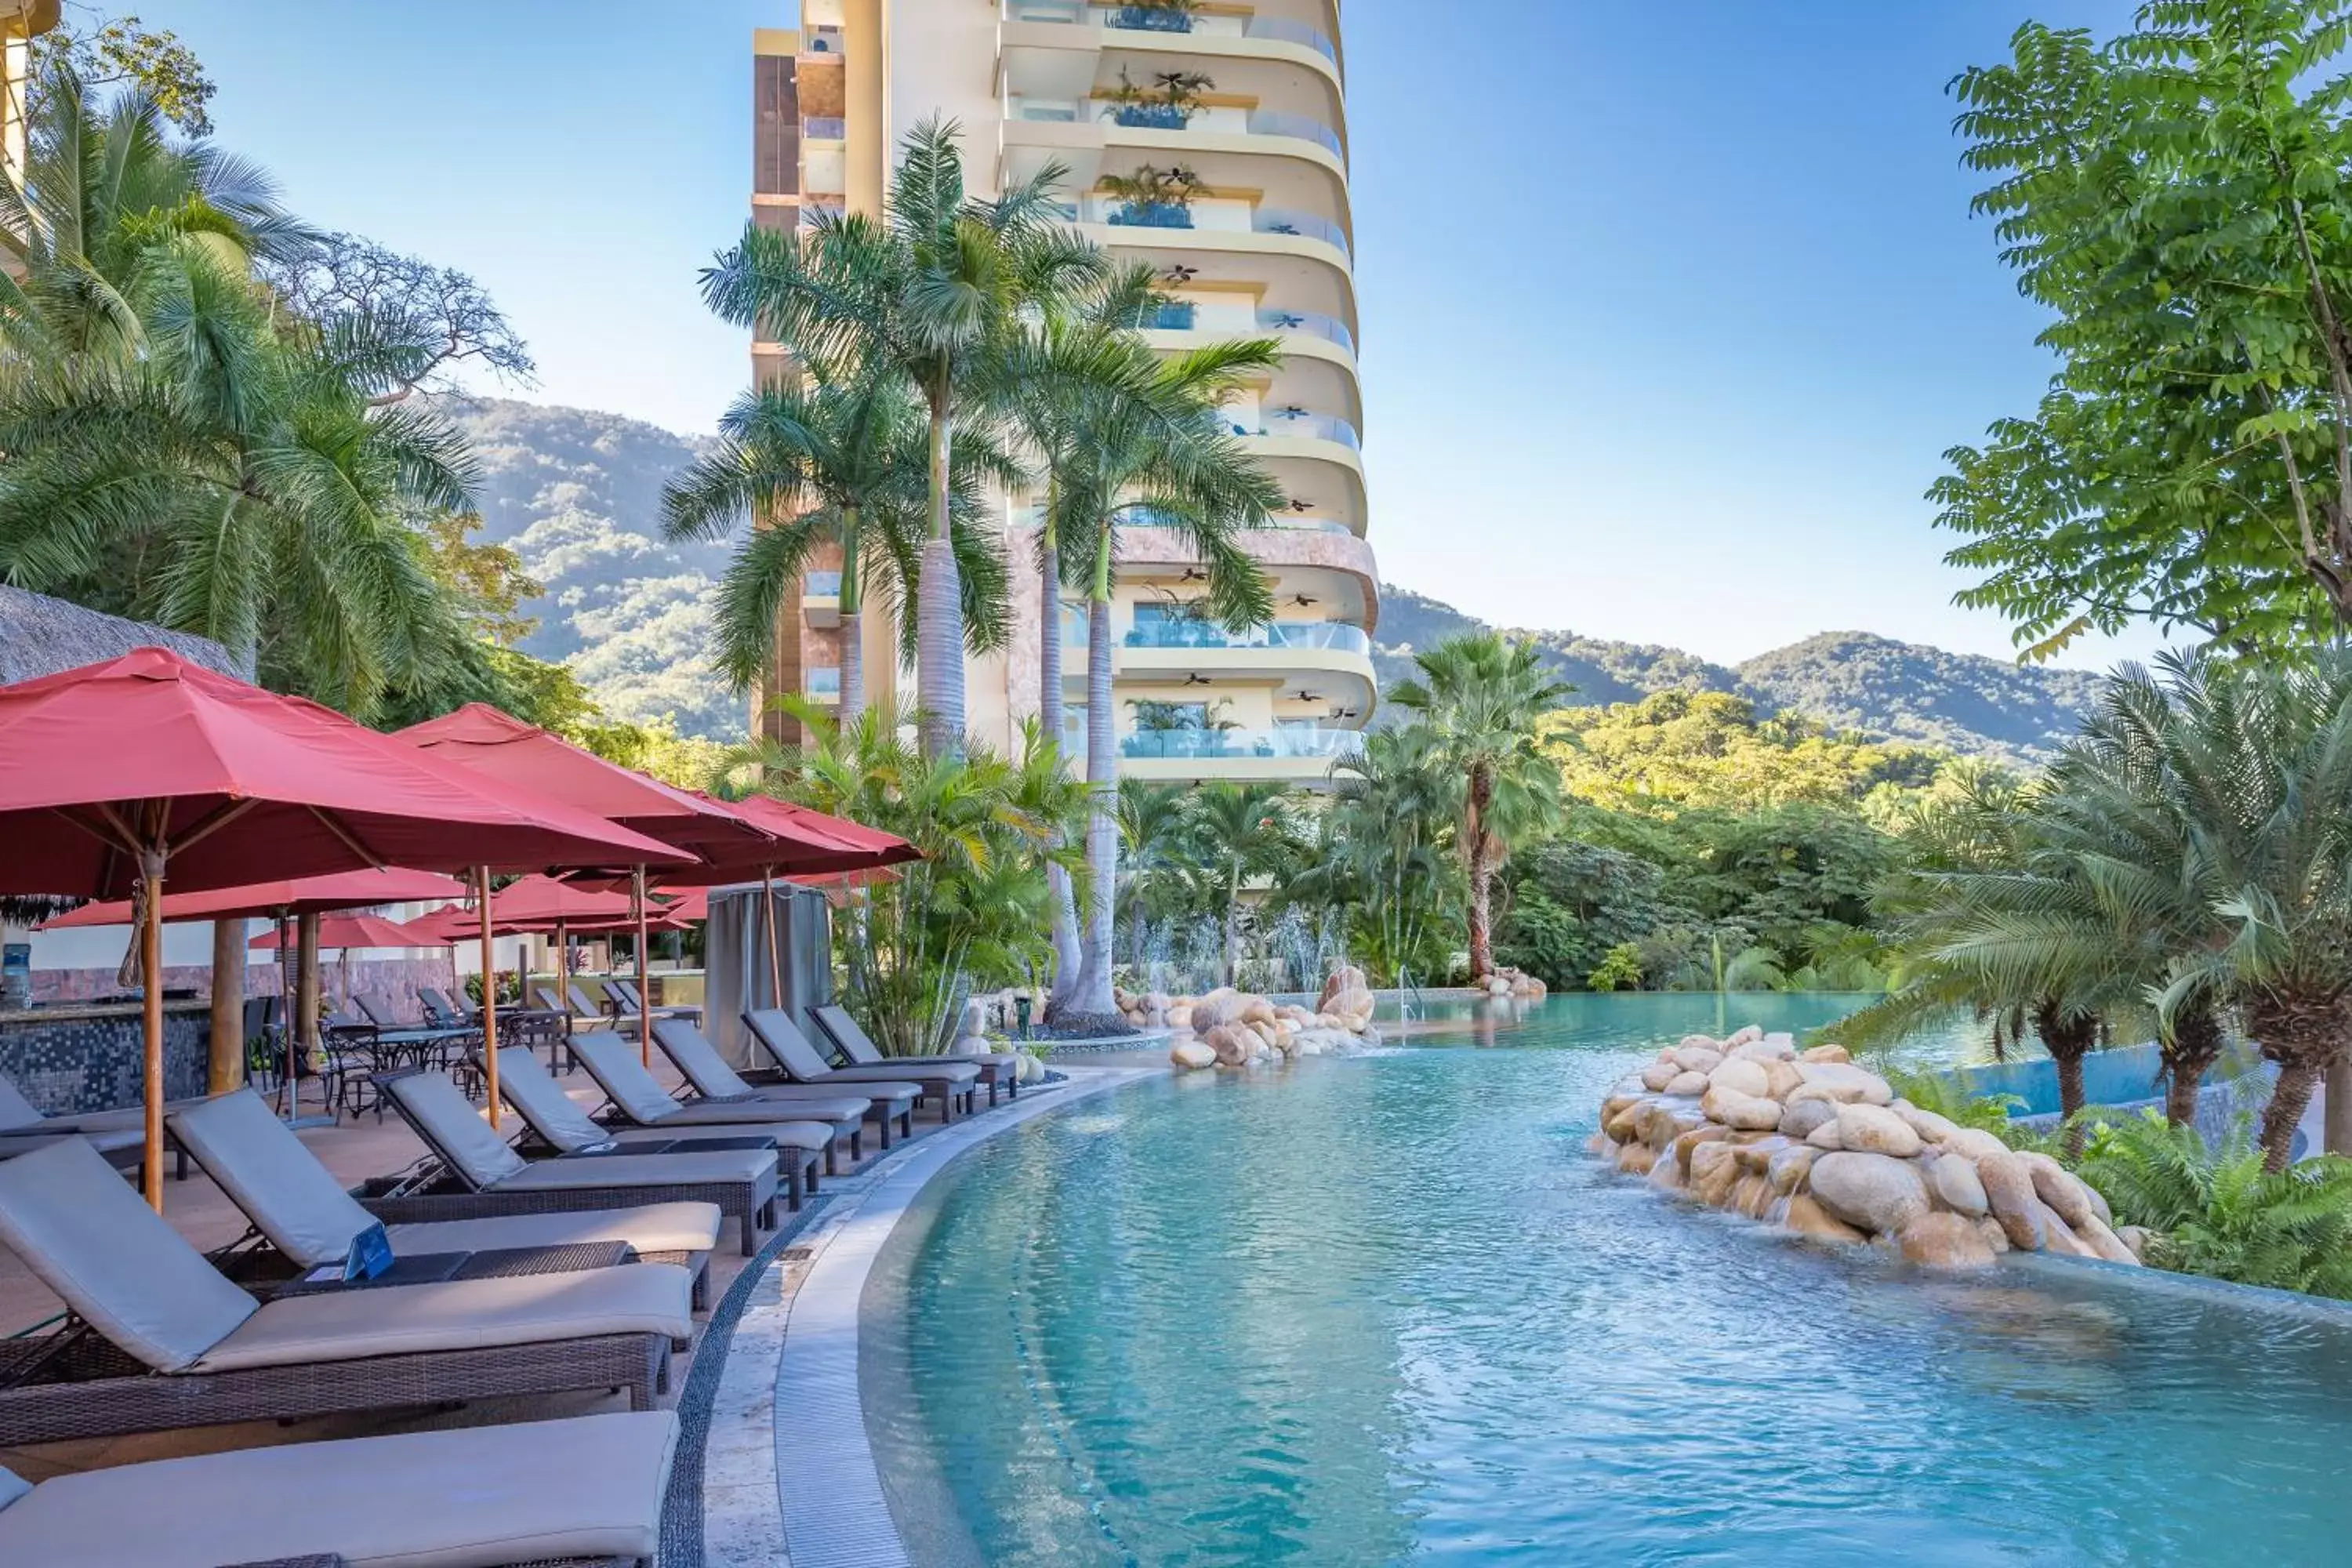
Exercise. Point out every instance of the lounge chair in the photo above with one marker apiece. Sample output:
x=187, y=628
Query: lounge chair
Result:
x=119, y=1135
x=584, y=1490
x=311, y=1222
x=741, y=1182
x=566, y=1129
x=443, y=1012
x=998, y=1069
x=193, y=1350
x=950, y=1084
x=719, y=1085
x=627, y=989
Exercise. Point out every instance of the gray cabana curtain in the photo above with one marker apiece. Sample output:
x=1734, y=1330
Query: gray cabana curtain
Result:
x=735, y=963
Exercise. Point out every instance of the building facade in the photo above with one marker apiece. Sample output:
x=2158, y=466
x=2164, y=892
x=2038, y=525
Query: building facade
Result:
x=1209, y=140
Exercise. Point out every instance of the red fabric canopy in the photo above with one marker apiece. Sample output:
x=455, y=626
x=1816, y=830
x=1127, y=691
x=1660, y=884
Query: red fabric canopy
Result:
x=345, y=932
x=807, y=844
x=235, y=783
x=498, y=745
x=298, y=896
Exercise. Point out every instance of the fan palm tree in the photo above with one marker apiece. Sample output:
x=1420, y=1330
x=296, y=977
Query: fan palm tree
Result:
x=1238, y=832
x=840, y=465
x=933, y=294
x=1380, y=855
x=1147, y=445
x=1483, y=698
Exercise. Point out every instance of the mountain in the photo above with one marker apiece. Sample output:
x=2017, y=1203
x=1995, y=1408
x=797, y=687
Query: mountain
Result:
x=1857, y=681
x=578, y=493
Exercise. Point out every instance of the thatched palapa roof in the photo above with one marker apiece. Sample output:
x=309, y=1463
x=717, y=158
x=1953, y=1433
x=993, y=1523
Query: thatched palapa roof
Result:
x=41, y=635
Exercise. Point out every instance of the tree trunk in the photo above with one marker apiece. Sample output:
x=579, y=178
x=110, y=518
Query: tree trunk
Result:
x=939, y=618
x=2290, y=1098
x=2338, y=1130
x=1481, y=794
x=1102, y=824
x=1233, y=926
x=2306, y=1039
x=306, y=989
x=2195, y=1046
x=2068, y=1037
x=853, y=626
x=1070, y=953
x=226, y=1069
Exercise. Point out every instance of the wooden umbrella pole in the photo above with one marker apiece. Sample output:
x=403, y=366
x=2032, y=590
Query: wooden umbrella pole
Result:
x=775, y=938
x=291, y=1087
x=563, y=971
x=644, y=977
x=489, y=998
x=151, y=962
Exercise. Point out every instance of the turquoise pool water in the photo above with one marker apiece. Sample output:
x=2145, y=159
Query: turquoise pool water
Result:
x=1384, y=1311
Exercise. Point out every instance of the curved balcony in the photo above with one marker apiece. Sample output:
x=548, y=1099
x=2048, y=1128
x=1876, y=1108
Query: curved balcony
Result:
x=1192, y=745
x=1274, y=39
x=1312, y=554
x=1318, y=361
x=1189, y=634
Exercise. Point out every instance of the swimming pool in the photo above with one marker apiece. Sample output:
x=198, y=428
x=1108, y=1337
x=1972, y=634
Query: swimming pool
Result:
x=1384, y=1309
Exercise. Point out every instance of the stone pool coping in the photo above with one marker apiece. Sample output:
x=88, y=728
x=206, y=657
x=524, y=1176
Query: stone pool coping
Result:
x=789, y=1475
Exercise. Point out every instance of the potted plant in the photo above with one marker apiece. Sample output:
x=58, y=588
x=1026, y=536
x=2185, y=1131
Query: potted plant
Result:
x=1153, y=197
x=1156, y=15
x=1169, y=104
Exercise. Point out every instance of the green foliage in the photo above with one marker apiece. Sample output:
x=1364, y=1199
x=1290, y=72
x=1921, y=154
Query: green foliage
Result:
x=2174, y=199
x=2220, y=1212
x=114, y=51
x=1379, y=856
x=973, y=912
x=1937, y=1092
x=1619, y=970
x=1709, y=749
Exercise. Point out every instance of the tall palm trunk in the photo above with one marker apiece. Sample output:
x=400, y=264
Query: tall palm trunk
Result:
x=1070, y=953
x=939, y=618
x=2305, y=1040
x=1102, y=826
x=1232, y=958
x=2068, y=1037
x=853, y=623
x=1482, y=875
x=2194, y=1048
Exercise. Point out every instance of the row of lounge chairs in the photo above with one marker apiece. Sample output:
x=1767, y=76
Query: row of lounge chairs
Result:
x=577, y=1272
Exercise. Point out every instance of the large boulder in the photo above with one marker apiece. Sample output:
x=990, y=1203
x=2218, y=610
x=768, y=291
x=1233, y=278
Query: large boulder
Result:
x=1742, y=1078
x=1954, y=1181
x=2008, y=1183
x=1842, y=1083
x=1945, y=1241
x=1876, y=1193
x=2072, y=1199
x=1690, y=1083
x=1237, y=1046
x=1869, y=1129
x=1714, y=1168
x=1697, y=1059
x=1635, y=1159
x=1930, y=1127
x=1192, y=1055
x=1346, y=978
x=1824, y=1054
x=1781, y=1078
x=1219, y=1007
x=1789, y=1167
x=1798, y=1120
x=1806, y=1217
x=1974, y=1142
x=1742, y=1112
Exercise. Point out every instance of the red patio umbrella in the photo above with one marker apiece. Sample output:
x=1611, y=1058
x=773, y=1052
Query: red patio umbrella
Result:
x=147, y=767
x=346, y=931
x=295, y=896
x=503, y=747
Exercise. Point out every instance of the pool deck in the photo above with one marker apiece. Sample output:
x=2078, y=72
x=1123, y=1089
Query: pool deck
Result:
x=789, y=1476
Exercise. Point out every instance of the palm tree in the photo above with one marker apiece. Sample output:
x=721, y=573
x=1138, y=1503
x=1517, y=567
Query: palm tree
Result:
x=933, y=294
x=1150, y=837
x=1238, y=832
x=1380, y=855
x=839, y=465
x=2258, y=762
x=1144, y=443
x=1482, y=698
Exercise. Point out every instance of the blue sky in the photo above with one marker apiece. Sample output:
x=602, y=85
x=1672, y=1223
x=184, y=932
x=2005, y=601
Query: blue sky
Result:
x=1668, y=311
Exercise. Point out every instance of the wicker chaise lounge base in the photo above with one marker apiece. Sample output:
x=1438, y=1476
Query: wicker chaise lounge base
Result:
x=584, y=1490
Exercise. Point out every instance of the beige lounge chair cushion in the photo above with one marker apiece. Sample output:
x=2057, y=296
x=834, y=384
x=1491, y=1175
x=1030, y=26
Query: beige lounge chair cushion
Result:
x=714, y=1113
x=79, y=1225
x=15, y=1143
x=642, y=1171
x=957, y=1072
x=460, y=1314
x=697, y=1059
x=554, y=1115
x=614, y=1064
x=655, y=1227
x=272, y=1176
x=467, y=1498
x=455, y=1129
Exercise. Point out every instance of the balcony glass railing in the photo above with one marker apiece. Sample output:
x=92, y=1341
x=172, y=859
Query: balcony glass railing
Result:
x=1300, y=425
x=1148, y=214
x=826, y=128
x=1328, y=328
x=1160, y=19
x=821, y=585
x=1173, y=316
x=1187, y=744
x=1270, y=122
x=1282, y=523
x=1337, y=635
x=1276, y=28
x=1147, y=18
x=1277, y=220
x=821, y=683
x=1168, y=117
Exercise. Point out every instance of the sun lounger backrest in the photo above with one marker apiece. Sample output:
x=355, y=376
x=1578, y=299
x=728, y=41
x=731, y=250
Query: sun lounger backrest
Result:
x=447, y=1121
x=379, y=1011
x=81, y=1227
x=782, y=1039
x=696, y=1058
x=281, y=1186
x=534, y=1093
x=612, y=1063
x=547, y=998
x=844, y=1031
x=15, y=1110
x=583, y=1007
x=627, y=989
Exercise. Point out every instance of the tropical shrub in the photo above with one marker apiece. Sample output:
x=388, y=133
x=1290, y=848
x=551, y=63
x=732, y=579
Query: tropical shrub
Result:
x=2218, y=1212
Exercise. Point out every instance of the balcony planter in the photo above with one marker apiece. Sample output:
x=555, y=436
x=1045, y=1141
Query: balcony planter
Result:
x=1151, y=215
x=1171, y=318
x=1153, y=18
x=1153, y=117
